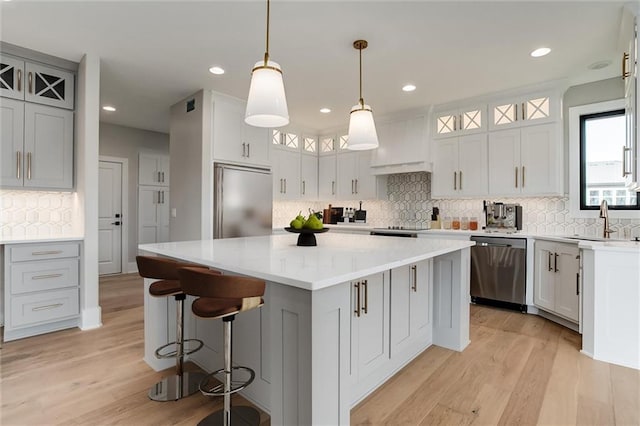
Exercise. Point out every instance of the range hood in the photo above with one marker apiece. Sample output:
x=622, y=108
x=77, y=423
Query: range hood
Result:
x=392, y=169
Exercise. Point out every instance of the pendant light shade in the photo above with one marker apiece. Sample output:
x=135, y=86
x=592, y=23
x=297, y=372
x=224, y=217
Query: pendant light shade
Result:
x=267, y=103
x=362, y=129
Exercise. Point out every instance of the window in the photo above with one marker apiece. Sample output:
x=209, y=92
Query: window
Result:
x=602, y=136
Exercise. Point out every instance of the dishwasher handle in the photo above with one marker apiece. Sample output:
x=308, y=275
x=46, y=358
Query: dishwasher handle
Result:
x=494, y=245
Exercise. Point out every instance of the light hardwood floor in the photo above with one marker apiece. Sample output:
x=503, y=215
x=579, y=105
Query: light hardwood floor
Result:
x=518, y=370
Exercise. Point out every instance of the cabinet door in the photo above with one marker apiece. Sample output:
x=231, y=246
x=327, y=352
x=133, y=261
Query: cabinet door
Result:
x=257, y=144
x=12, y=159
x=153, y=169
x=49, y=86
x=540, y=159
x=473, y=177
x=504, y=163
x=568, y=281
x=228, y=122
x=12, y=77
x=164, y=211
x=421, y=299
x=445, y=169
x=48, y=147
x=400, y=311
x=286, y=175
x=544, y=275
x=150, y=214
x=365, y=185
x=370, y=330
x=347, y=174
x=327, y=176
x=308, y=177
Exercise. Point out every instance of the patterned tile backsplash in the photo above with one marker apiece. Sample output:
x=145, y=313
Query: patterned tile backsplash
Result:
x=409, y=203
x=36, y=214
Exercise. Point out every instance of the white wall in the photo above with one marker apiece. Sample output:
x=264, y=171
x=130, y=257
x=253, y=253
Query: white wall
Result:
x=128, y=142
x=191, y=169
x=87, y=137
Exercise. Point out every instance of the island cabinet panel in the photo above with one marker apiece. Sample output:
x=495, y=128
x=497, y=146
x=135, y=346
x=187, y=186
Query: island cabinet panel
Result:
x=411, y=294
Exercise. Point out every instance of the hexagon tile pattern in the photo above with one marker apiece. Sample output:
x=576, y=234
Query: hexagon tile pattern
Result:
x=409, y=204
x=36, y=214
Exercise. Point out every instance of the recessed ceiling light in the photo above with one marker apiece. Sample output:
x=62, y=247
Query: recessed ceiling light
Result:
x=325, y=110
x=540, y=52
x=599, y=65
x=216, y=70
x=109, y=108
x=408, y=88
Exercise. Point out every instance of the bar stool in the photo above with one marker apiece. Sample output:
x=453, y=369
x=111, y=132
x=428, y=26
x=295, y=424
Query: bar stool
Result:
x=224, y=296
x=182, y=383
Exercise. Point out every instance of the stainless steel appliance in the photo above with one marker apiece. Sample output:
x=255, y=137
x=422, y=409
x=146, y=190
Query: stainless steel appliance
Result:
x=242, y=201
x=501, y=217
x=498, y=271
x=393, y=233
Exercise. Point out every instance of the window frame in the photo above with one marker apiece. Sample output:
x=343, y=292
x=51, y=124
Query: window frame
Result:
x=583, y=165
x=573, y=161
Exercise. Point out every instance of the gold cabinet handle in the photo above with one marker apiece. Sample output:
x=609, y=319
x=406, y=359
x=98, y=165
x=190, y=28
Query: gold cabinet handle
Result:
x=455, y=180
x=454, y=123
x=515, y=106
x=333, y=187
x=304, y=188
x=45, y=252
x=624, y=161
x=357, y=290
x=19, y=80
x=18, y=164
x=44, y=277
x=516, y=175
x=285, y=185
x=414, y=287
x=356, y=186
x=549, y=259
x=460, y=180
x=625, y=73
x=523, y=176
x=523, y=112
x=248, y=150
x=365, y=306
x=30, y=78
x=29, y=165
x=46, y=307
x=555, y=262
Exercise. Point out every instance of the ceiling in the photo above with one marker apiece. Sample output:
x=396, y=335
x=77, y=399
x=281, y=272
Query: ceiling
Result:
x=155, y=53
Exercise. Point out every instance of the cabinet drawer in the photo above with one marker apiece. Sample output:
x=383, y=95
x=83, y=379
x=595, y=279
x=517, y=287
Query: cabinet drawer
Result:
x=24, y=252
x=43, y=307
x=46, y=275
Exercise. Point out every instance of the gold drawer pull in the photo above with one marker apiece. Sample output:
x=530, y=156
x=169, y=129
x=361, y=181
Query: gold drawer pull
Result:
x=44, y=277
x=46, y=307
x=46, y=252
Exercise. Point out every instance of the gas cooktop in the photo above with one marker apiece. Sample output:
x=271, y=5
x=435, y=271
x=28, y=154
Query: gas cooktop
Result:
x=402, y=228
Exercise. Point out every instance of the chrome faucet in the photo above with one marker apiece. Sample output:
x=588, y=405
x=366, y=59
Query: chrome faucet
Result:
x=604, y=214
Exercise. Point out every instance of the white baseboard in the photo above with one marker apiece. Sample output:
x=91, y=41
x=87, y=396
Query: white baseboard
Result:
x=91, y=318
x=132, y=267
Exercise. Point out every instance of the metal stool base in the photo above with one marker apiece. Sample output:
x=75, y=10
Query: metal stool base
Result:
x=240, y=416
x=168, y=388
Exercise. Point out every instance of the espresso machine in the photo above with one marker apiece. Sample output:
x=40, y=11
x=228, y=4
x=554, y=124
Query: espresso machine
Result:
x=501, y=217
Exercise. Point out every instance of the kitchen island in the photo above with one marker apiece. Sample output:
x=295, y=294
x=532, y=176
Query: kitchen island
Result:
x=339, y=318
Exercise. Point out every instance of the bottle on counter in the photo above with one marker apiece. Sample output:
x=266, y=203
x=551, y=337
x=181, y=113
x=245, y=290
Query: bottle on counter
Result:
x=455, y=223
x=446, y=223
x=473, y=223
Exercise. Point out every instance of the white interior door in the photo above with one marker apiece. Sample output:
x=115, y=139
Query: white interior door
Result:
x=110, y=218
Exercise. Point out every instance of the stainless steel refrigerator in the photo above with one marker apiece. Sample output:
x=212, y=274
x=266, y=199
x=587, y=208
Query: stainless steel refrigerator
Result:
x=242, y=201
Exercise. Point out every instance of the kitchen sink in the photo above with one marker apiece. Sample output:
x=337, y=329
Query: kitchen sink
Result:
x=584, y=238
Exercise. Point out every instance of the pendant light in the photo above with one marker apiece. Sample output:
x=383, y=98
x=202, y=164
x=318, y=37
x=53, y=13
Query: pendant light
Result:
x=267, y=104
x=362, y=129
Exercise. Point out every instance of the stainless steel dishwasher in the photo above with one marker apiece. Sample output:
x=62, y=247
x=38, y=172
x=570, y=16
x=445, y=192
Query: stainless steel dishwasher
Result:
x=498, y=272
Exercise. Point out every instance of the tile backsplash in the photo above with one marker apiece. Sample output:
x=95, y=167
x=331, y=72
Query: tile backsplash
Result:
x=409, y=203
x=36, y=214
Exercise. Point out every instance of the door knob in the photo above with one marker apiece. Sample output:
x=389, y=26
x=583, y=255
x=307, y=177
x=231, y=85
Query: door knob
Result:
x=115, y=223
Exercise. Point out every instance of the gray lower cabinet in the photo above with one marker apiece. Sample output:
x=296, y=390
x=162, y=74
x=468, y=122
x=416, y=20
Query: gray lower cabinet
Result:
x=41, y=288
x=36, y=143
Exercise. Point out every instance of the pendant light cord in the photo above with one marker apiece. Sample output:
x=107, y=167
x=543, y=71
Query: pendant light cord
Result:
x=266, y=53
x=361, y=100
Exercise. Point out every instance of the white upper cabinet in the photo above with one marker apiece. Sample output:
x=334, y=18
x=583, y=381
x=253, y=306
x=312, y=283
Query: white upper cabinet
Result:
x=327, y=176
x=537, y=108
x=402, y=142
x=460, y=121
x=234, y=140
x=37, y=146
x=525, y=161
x=308, y=177
x=153, y=169
x=460, y=167
x=286, y=174
x=354, y=178
x=36, y=83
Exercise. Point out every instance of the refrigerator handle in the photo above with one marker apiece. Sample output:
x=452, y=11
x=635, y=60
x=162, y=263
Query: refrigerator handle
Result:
x=217, y=228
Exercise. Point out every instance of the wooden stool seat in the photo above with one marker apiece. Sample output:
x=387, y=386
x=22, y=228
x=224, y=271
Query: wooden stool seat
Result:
x=224, y=296
x=182, y=383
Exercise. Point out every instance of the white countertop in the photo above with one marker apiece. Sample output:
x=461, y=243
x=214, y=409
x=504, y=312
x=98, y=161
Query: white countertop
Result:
x=27, y=240
x=336, y=259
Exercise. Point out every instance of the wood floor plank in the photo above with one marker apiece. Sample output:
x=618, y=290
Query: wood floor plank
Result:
x=489, y=404
x=625, y=385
